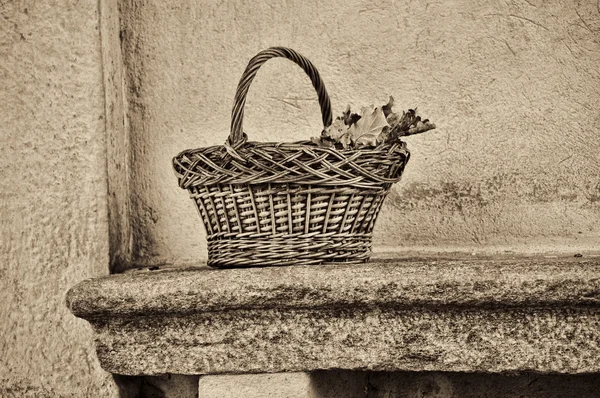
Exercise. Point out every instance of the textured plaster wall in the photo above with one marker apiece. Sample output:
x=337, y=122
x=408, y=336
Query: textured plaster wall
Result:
x=513, y=86
x=53, y=218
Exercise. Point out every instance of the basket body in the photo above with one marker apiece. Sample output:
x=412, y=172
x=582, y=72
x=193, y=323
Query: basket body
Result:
x=286, y=224
x=300, y=205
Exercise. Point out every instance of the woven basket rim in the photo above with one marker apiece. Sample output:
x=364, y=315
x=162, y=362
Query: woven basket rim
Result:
x=293, y=146
x=303, y=162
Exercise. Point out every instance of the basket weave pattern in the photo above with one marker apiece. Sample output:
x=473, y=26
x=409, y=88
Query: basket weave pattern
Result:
x=287, y=203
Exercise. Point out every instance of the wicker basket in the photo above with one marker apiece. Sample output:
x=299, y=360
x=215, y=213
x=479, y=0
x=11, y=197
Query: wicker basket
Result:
x=287, y=203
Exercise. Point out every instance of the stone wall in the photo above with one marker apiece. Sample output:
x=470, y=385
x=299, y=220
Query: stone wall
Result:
x=53, y=211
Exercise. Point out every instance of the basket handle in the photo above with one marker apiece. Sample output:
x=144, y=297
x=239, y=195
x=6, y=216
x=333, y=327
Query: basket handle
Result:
x=237, y=114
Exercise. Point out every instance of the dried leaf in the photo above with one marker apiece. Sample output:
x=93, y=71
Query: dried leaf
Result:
x=384, y=135
x=337, y=132
x=387, y=108
x=323, y=143
x=367, y=129
x=393, y=119
x=349, y=117
x=372, y=127
x=420, y=127
x=346, y=141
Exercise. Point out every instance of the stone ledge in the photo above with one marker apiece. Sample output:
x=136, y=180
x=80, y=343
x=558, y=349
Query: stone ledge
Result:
x=473, y=314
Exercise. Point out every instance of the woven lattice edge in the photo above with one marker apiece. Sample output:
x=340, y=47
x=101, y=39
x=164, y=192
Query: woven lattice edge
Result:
x=299, y=163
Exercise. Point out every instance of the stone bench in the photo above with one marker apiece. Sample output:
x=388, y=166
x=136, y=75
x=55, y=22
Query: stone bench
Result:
x=458, y=314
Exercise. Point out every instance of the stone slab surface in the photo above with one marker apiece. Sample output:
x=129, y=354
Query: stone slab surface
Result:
x=449, y=339
x=475, y=315
x=531, y=281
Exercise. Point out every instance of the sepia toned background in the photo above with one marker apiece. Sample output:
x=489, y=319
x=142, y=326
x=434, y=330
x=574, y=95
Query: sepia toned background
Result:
x=92, y=109
x=512, y=86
